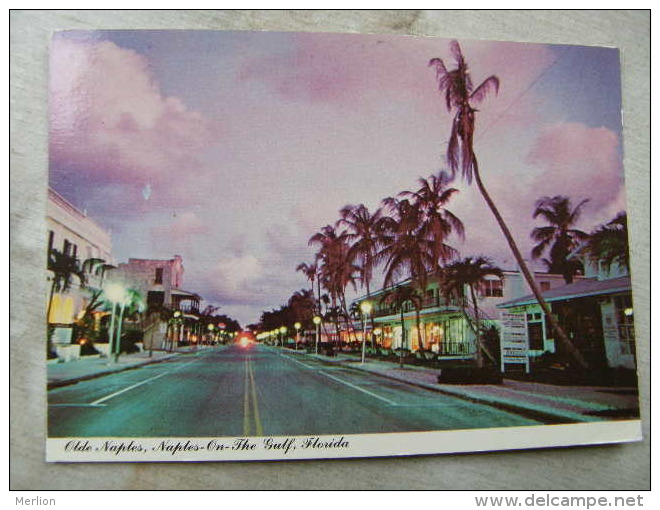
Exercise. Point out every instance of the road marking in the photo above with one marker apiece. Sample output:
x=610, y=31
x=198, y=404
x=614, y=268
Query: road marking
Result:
x=367, y=392
x=246, y=402
x=76, y=405
x=124, y=390
x=255, y=405
x=311, y=367
x=322, y=372
x=466, y=404
x=250, y=394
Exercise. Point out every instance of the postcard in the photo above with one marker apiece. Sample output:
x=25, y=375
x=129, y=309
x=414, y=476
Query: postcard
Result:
x=272, y=246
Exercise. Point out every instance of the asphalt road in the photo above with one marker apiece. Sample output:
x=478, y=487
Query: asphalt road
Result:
x=255, y=391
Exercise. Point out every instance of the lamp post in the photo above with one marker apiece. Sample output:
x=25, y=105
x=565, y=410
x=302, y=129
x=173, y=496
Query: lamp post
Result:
x=283, y=331
x=116, y=294
x=297, y=325
x=365, y=308
x=317, y=322
x=177, y=328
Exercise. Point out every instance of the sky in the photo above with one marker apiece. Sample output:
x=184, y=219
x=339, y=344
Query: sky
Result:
x=232, y=149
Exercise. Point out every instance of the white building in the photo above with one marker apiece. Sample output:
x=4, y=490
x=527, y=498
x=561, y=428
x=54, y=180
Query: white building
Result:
x=72, y=233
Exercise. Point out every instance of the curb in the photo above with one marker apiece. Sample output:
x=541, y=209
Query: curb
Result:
x=74, y=380
x=548, y=418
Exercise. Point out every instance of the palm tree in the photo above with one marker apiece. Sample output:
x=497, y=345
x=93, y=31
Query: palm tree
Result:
x=64, y=268
x=303, y=306
x=398, y=297
x=609, y=243
x=311, y=272
x=460, y=95
x=336, y=271
x=97, y=267
x=438, y=222
x=470, y=272
x=407, y=252
x=558, y=237
x=413, y=241
x=364, y=232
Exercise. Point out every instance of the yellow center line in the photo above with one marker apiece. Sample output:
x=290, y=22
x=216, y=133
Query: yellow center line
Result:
x=246, y=400
x=255, y=405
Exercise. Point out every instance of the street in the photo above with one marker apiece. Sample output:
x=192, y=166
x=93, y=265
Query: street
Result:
x=256, y=391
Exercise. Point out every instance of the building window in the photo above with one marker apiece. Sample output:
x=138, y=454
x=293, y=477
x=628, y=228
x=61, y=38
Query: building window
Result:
x=66, y=249
x=159, y=275
x=492, y=288
x=625, y=319
x=545, y=286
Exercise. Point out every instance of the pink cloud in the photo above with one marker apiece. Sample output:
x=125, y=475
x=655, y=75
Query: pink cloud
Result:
x=179, y=230
x=395, y=66
x=580, y=162
x=112, y=124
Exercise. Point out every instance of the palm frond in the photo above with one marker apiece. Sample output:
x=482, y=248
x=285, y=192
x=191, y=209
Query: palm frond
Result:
x=490, y=84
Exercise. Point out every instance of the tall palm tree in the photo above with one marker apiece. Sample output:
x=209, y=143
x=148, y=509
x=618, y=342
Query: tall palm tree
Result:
x=559, y=237
x=364, y=233
x=460, y=95
x=397, y=297
x=311, y=271
x=609, y=243
x=336, y=271
x=438, y=222
x=470, y=272
x=407, y=252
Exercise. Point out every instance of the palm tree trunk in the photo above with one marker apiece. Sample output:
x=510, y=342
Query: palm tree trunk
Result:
x=49, y=340
x=526, y=272
x=419, y=329
x=478, y=355
x=349, y=323
x=403, y=336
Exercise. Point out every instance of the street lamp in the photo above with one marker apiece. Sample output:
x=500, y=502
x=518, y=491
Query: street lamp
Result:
x=297, y=325
x=317, y=322
x=283, y=331
x=116, y=294
x=177, y=328
x=365, y=308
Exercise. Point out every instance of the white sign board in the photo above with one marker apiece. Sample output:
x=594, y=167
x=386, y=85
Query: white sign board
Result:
x=514, y=339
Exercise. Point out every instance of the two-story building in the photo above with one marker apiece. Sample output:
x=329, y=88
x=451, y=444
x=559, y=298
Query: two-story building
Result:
x=447, y=324
x=78, y=238
x=172, y=313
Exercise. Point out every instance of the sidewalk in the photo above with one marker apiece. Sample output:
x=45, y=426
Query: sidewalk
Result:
x=544, y=402
x=90, y=367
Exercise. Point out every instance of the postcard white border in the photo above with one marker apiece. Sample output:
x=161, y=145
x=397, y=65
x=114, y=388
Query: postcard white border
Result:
x=177, y=449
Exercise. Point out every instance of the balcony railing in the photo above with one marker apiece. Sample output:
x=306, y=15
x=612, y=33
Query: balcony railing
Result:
x=427, y=302
x=448, y=348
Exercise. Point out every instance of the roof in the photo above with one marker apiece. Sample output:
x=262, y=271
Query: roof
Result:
x=184, y=293
x=581, y=288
